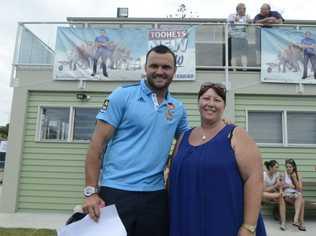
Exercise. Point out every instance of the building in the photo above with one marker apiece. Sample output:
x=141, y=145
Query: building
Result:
x=53, y=119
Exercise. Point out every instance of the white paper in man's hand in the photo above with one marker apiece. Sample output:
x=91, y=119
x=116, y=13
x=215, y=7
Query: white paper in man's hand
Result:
x=109, y=224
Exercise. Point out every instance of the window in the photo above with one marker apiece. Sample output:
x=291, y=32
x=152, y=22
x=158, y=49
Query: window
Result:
x=301, y=127
x=210, y=40
x=67, y=123
x=84, y=123
x=282, y=127
x=265, y=127
x=54, y=123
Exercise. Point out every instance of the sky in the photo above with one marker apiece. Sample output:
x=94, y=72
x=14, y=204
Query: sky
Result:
x=14, y=11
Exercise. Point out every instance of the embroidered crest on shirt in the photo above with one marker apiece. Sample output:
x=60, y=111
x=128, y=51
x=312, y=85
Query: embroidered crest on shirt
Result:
x=169, y=112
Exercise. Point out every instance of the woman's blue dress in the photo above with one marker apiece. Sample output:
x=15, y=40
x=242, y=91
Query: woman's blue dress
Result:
x=206, y=189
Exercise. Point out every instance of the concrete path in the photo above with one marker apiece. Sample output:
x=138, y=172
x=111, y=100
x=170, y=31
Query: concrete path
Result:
x=54, y=221
x=32, y=220
x=273, y=228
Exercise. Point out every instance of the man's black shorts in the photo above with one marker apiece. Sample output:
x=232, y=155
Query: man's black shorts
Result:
x=142, y=213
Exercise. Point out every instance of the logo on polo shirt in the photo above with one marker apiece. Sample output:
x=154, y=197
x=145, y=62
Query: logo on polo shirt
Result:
x=171, y=106
x=169, y=112
x=105, y=105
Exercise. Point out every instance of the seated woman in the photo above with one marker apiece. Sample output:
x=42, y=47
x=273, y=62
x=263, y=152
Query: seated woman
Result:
x=273, y=188
x=293, y=192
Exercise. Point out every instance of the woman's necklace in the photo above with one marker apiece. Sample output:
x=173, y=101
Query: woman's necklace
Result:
x=203, y=137
x=209, y=130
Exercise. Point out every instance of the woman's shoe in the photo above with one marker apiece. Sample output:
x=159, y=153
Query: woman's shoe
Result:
x=301, y=228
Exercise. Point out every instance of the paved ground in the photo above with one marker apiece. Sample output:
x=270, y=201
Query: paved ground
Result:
x=273, y=228
x=54, y=221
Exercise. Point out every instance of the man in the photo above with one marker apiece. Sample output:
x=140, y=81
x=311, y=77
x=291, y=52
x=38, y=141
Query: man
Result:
x=309, y=45
x=137, y=125
x=103, y=51
x=268, y=17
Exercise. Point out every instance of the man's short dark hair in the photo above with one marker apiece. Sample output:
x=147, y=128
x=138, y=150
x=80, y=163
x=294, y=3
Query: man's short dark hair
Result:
x=267, y=5
x=162, y=49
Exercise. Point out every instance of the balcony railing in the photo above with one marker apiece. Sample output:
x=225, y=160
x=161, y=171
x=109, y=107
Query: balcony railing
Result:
x=215, y=45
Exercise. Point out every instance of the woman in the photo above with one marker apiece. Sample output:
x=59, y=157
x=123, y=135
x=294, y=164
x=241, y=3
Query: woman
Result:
x=293, y=192
x=273, y=185
x=216, y=176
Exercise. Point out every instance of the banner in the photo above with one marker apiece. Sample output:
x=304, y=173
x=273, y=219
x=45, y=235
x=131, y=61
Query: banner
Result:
x=119, y=54
x=288, y=55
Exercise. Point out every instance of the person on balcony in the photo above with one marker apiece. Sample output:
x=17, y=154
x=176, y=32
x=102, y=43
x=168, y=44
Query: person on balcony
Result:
x=268, y=17
x=238, y=43
x=265, y=18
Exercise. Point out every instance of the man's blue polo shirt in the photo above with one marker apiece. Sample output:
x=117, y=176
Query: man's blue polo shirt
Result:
x=144, y=130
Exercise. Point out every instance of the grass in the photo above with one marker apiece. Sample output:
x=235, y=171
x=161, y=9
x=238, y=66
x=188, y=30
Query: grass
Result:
x=26, y=232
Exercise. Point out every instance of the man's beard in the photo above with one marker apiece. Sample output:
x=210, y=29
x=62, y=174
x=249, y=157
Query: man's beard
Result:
x=151, y=80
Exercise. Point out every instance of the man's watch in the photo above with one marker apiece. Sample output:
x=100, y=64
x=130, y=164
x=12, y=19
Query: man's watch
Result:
x=250, y=228
x=89, y=191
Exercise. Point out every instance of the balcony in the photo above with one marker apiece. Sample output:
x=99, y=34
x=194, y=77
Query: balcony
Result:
x=35, y=44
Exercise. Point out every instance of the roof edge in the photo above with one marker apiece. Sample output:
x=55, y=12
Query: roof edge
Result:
x=187, y=20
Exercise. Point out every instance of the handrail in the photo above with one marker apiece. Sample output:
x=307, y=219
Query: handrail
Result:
x=44, y=44
x=191, y=22
x=223, y=30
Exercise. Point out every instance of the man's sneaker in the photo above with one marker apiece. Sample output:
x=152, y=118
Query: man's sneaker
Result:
x=283, y=227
